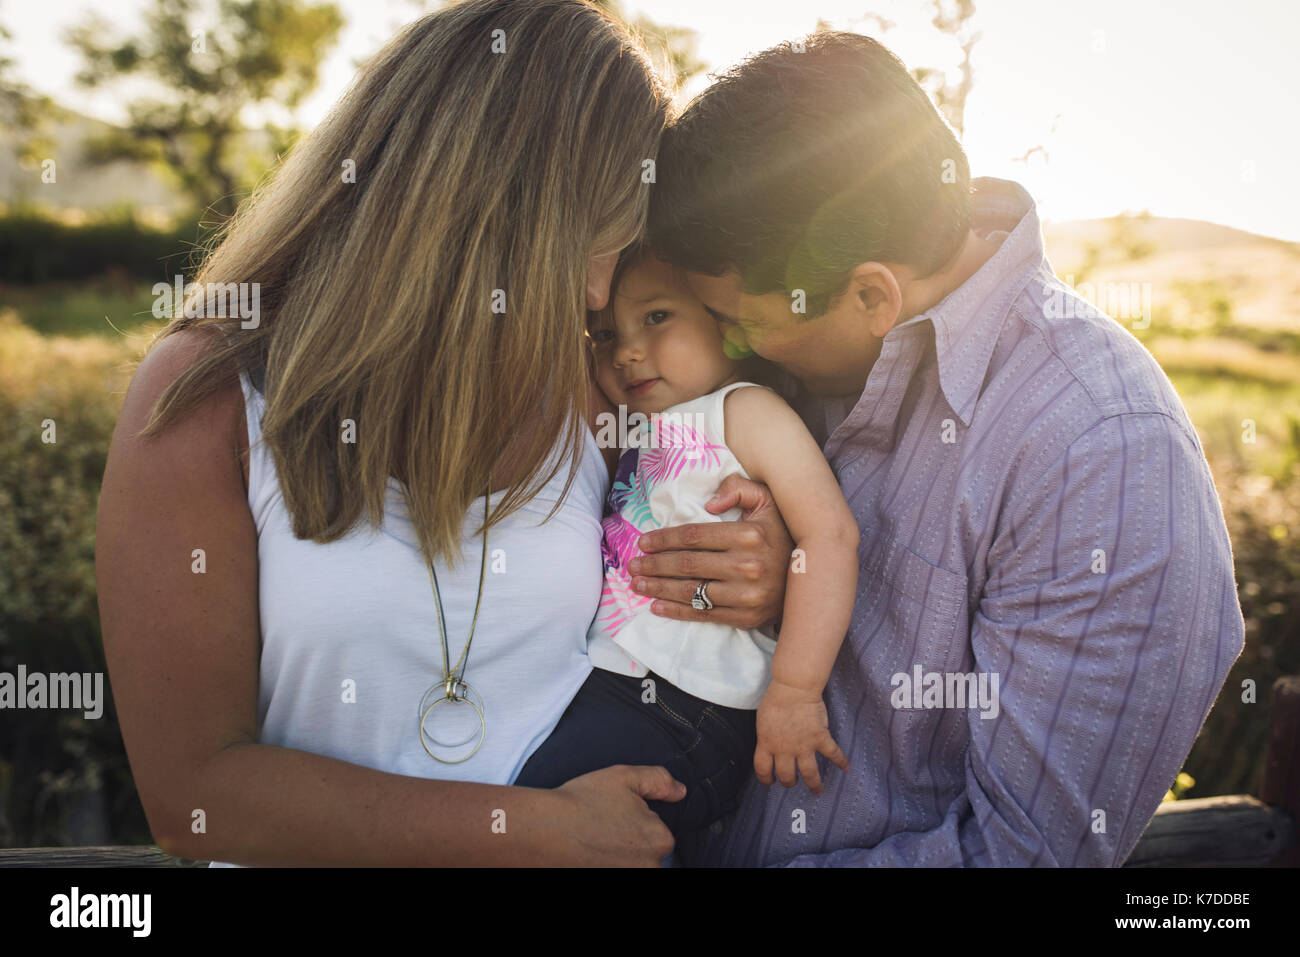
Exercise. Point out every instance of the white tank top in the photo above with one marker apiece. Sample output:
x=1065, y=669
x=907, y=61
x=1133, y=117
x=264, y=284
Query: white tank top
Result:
x=350, y=637
x=681, y=461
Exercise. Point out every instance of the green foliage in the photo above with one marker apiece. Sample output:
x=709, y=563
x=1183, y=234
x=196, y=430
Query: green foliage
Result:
x=1263, y=520
x=35, y=248
x=257, y=51
x=1124, y=236
x=1208, y=300
x=104, y=306
x=27, y=113
x=672, y=48
x=954, y=19
x=63, y=778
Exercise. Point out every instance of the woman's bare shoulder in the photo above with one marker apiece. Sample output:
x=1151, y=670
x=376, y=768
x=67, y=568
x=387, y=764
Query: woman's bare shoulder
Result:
x=214, y=429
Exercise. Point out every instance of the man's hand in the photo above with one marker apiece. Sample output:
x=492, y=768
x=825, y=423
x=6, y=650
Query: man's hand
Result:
x=744, y=562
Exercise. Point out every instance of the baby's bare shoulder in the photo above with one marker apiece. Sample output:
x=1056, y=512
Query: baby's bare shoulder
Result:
x=753, y=402
x=764, y=432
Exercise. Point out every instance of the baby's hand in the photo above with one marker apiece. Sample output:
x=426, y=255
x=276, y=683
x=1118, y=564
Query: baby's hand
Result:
x=792, y=728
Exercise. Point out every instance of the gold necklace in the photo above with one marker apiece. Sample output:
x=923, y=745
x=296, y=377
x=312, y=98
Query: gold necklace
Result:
x=455, y=689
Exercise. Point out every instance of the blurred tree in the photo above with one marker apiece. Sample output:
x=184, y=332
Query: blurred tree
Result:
x=673, y=49
x=1126, y=235
x=211, y=63
x=23, y=111
x=951, y=17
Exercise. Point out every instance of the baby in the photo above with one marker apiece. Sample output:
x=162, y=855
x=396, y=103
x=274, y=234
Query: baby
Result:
x=704, y=699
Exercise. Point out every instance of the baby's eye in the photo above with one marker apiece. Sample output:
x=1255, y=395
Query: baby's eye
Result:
x=600, y=337
x=663, y=314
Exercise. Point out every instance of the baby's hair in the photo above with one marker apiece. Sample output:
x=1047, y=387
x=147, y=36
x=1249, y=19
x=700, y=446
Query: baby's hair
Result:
x=756, y=368
x=629, y=257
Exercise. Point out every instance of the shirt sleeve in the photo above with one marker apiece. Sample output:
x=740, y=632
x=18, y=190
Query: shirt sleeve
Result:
x=1110, y=618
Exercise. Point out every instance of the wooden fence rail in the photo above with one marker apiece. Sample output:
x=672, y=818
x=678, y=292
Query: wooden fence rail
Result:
x=1233, y=830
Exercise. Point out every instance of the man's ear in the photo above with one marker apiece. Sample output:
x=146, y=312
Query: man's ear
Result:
x=876, y=296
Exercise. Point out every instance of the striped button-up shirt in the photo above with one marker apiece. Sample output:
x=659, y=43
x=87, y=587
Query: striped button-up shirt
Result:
x=1046, y=605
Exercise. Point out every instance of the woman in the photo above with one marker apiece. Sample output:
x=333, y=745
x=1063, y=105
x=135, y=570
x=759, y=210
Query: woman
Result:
x=295, y=684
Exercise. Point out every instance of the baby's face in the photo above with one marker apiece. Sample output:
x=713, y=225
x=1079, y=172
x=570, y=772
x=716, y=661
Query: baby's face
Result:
x=662, y=347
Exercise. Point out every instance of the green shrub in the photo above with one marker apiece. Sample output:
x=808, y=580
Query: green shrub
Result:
x=35, y=248
x=108, y=305
x=1263, y=517
x=63, y=778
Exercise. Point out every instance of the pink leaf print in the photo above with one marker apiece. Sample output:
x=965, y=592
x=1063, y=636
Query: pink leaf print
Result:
x=618, y=603
x=680, y=448
x=619, y=543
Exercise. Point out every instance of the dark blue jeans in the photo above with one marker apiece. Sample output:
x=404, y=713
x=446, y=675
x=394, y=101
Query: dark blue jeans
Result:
x=706, y=746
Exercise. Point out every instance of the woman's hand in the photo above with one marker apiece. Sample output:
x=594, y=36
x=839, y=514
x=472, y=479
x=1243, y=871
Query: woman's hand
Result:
x=745, y=562
x=602, y=819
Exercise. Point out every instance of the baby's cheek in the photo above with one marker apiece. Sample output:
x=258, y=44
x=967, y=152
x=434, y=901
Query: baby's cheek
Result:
x=606, y=379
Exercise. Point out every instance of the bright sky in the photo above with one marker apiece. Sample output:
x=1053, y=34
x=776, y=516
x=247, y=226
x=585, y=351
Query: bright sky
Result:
x=1186, y=109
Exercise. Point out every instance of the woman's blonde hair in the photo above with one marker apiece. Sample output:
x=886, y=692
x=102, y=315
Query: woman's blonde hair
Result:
x=496, y=145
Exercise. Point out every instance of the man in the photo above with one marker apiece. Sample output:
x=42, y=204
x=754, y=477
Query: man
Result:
x=1046, y=604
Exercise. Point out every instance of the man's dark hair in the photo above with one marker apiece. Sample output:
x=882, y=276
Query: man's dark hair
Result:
x=795, y=167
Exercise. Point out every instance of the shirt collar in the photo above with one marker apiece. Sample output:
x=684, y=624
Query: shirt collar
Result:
x=968, y=320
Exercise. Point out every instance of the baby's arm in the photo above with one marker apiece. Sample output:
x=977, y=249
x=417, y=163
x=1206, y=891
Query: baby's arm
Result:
x=774, y=446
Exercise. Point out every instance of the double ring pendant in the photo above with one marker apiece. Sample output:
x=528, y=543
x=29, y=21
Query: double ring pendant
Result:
x=455, y=689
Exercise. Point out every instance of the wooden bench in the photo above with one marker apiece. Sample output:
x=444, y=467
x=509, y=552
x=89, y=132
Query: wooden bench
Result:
x=1234, y=830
